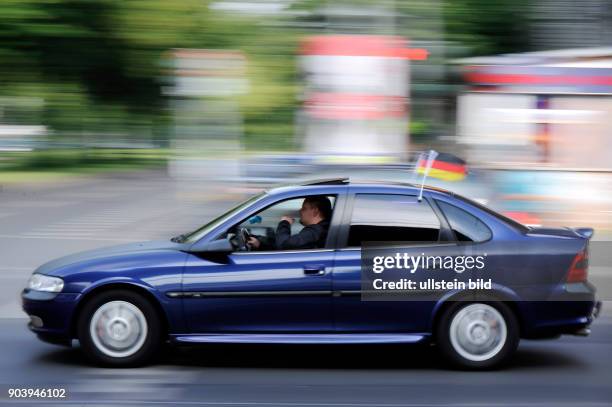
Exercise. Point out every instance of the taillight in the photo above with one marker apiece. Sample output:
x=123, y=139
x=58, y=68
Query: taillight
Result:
x=578, y=269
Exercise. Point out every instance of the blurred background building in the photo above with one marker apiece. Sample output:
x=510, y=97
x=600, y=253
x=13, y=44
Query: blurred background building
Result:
x=357, y=95
x=566, y=24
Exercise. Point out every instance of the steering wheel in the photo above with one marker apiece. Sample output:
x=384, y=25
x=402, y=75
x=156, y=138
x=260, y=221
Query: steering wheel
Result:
x=243, y=236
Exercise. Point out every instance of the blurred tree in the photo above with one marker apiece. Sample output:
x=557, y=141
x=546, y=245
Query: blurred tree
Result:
x=488, y=27
x=96, y=64
x=88, y=56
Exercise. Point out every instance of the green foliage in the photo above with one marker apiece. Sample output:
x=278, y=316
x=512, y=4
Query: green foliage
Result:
x=89, y=57
x=488, y=27
x=96, y=66
x=79, y=158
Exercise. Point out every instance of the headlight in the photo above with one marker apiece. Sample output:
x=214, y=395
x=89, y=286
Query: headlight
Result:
x=40, y=282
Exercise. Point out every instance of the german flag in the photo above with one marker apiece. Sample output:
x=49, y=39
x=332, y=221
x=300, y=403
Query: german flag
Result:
x=445, y=166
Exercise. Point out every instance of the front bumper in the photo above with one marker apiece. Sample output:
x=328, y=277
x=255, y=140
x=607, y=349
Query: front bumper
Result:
x=50, y=314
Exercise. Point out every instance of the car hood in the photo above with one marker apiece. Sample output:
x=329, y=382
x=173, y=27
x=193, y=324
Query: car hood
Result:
x=55, y=266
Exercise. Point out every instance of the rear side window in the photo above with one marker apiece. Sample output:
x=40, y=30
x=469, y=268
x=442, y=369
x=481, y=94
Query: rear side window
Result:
x=467, y=227
x=511, y=222
x=388, y=218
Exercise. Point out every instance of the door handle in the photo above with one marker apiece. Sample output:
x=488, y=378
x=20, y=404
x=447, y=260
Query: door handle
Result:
x=314, y=270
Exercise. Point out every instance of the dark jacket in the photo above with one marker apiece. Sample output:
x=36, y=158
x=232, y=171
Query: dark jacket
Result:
x=310, y=237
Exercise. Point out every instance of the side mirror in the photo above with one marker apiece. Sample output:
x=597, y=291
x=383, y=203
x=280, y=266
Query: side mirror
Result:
x=216, y=246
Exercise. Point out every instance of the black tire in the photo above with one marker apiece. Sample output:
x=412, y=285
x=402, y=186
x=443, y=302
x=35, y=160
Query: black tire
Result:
x=152, y=339
x=453, y=352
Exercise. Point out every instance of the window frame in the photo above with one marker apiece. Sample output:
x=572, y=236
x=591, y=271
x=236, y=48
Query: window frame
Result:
x=445, y=237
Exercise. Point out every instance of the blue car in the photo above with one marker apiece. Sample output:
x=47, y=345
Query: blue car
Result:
x=122, y=303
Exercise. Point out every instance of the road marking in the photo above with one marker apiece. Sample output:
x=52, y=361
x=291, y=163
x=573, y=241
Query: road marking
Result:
x=102, y=239
x=62, y=229
x=35, y=204
x=88, y=221
x=59, y=235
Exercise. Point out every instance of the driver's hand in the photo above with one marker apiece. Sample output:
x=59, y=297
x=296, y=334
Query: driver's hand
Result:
x=288, y=219
x=254, y=242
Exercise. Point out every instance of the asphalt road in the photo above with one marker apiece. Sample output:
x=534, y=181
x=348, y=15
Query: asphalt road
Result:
x=38, y=224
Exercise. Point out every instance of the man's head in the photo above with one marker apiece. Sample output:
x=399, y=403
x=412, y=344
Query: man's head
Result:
x=315, y=209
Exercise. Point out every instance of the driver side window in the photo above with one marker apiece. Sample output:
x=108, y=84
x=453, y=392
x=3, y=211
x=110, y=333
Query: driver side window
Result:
x=263, y=224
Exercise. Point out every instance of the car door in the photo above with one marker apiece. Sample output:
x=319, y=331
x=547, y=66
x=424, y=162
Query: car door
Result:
x=384, y=216
x=263, y=291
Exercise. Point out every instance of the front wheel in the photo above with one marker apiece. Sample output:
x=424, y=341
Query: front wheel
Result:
x=119, y=328
x=478, y=335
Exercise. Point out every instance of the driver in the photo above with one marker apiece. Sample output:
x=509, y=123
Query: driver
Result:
x=315, y=215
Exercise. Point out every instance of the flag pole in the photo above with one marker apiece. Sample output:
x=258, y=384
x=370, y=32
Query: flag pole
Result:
x=422, y=156
x=430, y=158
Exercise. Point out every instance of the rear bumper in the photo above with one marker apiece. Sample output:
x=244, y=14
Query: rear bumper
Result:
x=50, y=314
x=586, y=330
x=571, y=310
x=596, y=310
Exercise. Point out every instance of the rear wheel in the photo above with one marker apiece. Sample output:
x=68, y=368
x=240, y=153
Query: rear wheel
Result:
x=478, y=335
x=119, y=328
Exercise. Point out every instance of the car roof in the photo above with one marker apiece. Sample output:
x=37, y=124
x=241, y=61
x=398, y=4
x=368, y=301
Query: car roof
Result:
x=354, y=183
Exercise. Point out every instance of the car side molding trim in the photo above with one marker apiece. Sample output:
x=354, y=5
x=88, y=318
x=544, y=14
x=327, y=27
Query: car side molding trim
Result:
x=226, y=294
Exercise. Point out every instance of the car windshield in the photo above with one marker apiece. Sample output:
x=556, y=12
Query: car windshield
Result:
x=200, y=232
